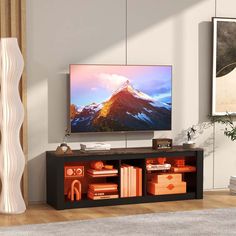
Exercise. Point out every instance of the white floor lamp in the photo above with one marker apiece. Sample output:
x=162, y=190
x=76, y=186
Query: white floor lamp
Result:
x=12, y=160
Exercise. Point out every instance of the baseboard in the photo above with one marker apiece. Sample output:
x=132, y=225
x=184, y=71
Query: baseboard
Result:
x=37, y=202
x=215, y=189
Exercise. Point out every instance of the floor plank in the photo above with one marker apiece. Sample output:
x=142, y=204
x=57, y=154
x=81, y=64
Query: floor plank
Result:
x=43, y=213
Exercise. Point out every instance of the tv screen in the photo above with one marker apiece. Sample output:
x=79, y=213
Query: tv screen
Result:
x=107, y=98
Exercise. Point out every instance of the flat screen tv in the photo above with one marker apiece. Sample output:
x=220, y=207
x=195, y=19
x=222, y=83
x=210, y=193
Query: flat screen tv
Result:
x=107, y=98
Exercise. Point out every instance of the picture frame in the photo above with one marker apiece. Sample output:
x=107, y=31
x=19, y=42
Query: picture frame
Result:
x=224, y=66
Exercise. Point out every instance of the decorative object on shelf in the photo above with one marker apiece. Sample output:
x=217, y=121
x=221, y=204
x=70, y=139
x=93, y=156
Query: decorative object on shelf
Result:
x=75, y=192
x=161, y=143
x=179, y=162
x=108, y=167
x=224, y=66
x=166, y=184
x=161, y=160
x=64, y=148
x=190, y=144
x=97, y=165
x=98, y=169
x=73, y=171
x=12, y=160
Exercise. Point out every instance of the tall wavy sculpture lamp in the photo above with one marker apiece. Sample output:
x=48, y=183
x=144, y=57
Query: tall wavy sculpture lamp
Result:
x=12, y=160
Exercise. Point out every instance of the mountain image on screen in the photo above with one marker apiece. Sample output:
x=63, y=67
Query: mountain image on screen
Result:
x=127, y=109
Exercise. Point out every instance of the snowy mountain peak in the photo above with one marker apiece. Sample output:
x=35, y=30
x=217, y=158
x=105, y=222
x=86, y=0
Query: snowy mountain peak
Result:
x=127, y=82
x=124, y=86
x=127, y=86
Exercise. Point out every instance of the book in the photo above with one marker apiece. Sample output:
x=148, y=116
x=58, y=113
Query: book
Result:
x=233, y=178
x=133, y=184
x=102, y=193
x=183, y=169
x=138, y=181
x=91, y=196
x=101, y=175
x=130, y=180
x=103, y=190
x=100, y=172
x=121, y=182
x=103, y=187
x=125, y=181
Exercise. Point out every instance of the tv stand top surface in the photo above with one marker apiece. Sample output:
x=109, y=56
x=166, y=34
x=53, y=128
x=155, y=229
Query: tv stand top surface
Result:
x=138, y=150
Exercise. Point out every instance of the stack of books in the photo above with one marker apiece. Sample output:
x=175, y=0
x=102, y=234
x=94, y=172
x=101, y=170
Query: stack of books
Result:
x=232, y=184
x=151, y=167
x=103, y=191
x=157, y=164
x=183, y=169
x=102, y=173
x=131, y=181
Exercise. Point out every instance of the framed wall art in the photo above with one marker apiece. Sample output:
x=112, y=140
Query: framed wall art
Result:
x=224, y=66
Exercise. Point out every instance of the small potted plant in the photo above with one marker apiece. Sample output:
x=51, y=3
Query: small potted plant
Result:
x=190, y=132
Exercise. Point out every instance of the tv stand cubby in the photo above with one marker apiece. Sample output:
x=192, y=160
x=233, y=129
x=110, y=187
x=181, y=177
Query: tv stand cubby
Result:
x=119, y=159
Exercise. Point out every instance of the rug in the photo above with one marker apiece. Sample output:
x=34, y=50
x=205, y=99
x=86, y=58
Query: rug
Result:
x=200, y=222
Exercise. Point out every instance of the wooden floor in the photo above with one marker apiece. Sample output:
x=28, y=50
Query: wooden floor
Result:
x=36, y=214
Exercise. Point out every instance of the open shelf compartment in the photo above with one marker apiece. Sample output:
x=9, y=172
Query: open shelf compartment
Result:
x=85, y=179
x=171, y=175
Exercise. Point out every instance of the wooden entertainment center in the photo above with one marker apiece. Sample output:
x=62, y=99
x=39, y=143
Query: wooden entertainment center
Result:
x=57, y=179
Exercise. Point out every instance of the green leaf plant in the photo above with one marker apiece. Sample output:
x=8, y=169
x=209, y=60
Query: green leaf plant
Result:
x=230, y=127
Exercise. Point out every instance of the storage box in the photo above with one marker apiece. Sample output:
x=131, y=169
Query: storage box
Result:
x=167, y=188
x=167, y=178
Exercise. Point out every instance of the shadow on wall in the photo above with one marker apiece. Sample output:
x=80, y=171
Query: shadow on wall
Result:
x=204, y=137
x=91, y=38
x=37, y=180
x=205, y=70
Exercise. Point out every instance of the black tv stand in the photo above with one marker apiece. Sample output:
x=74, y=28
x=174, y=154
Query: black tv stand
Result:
x=135, y=156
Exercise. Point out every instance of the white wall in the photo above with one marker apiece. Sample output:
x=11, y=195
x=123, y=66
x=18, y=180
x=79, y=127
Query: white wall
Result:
x=61, y=32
